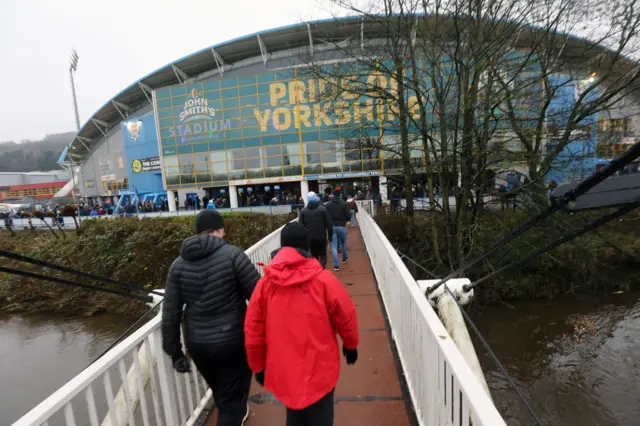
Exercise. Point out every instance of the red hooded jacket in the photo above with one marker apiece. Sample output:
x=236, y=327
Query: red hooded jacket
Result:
x=290, y=328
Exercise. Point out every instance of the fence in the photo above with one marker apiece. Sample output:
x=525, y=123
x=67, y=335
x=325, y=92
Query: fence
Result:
x=152, y=393
x=68, y=223
x=443, y=389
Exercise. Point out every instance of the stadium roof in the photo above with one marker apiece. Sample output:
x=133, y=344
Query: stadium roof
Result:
x=217, y=59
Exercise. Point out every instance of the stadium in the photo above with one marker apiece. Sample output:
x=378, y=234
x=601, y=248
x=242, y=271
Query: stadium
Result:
x=232, y=119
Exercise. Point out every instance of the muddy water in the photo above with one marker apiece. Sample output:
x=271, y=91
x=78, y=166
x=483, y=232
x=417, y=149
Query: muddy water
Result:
x=577, y=359
x=38, y=354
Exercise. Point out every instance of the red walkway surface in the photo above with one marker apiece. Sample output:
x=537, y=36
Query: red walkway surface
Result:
x=368, y=393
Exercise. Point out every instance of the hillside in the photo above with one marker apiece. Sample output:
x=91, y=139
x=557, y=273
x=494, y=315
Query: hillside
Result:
x=28, y=156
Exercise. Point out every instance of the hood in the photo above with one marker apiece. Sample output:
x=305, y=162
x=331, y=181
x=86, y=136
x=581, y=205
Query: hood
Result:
x=200, y=246
x=335, y=200
x=313, y=205
x=290, y=267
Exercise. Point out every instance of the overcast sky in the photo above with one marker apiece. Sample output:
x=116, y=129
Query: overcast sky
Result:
x=118, y=41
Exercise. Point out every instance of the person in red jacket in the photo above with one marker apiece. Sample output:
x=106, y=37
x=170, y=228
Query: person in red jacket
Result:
x=290, y=331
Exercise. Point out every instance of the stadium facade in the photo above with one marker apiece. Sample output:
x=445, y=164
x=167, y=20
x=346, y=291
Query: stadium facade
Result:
x=244, y=114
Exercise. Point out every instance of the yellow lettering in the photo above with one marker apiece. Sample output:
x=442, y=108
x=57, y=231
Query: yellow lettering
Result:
x=304, y=114
x=320, y=114
x=277, y=91
x=327, y=88
x=368, y=110
x=312, y=90
x=376, y=82
x=285, y=114
x=350, y=87
x=263, y=118
x=343, y=115
x=392, y=109
x=414, y=108
x=296, y=92
x=393, y=87
x=380, y=109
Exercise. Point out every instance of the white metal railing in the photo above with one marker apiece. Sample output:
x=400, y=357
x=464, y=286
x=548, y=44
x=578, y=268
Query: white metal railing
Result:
x=443, y=389
x=151, y=391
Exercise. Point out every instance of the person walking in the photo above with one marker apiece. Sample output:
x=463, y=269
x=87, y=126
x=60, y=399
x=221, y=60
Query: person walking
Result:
x=212, y=280
x=340, y=215
x=290, y=331
x=353, y=208
x=315, y=218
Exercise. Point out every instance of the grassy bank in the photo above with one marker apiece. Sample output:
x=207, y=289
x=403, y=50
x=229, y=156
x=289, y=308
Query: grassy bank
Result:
x=605, y=260
x=135, y=251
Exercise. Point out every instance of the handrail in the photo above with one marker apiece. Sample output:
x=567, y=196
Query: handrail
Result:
x=177, y=399
x=443, y=389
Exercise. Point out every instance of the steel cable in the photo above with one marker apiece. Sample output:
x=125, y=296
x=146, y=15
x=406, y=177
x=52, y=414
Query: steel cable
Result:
x=74, y=283
x=584, y=186
x=45, y=264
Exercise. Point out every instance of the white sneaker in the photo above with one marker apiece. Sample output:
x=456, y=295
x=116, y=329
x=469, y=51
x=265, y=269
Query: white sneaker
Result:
x=246, y=416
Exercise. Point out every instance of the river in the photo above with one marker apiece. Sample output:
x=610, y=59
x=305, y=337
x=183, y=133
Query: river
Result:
x=576, y=359
x=39, y=353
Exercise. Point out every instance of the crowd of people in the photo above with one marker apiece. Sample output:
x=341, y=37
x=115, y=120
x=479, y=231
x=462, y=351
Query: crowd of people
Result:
x=286, y=334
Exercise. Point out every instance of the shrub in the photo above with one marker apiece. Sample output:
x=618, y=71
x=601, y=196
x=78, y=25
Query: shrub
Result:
x=135, y=251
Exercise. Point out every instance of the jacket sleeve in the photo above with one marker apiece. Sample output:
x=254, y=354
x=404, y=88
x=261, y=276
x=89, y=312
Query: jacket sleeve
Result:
x=171, y=314
x=342, y=311
x=301, y=218
x=247, y=274
x=328, y=223
x=347, y=212
x=255, y=331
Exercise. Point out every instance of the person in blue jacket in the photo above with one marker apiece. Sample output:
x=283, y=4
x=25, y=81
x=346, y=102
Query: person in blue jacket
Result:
x=210, y=205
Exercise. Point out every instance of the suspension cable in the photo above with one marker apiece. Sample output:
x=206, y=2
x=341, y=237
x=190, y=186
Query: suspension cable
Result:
x=74, y=283
x=45, y=264
x=557, y=204
x=484, y=343
x=127, y=331
x=567, y=237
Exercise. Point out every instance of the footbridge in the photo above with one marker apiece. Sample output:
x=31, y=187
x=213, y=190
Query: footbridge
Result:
x=410, y=370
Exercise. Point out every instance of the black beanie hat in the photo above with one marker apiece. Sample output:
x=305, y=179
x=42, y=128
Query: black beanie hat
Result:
x=336, y=193
x=294, y=235
x=209, y=220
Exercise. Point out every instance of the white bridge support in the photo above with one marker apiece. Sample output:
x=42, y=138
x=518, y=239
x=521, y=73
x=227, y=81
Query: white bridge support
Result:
x=451, y=317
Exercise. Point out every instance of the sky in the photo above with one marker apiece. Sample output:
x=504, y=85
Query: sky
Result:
x=118, y=42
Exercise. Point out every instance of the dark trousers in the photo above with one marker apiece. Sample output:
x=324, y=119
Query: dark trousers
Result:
x=319, y=251
x=227, y=373
x=318, y=414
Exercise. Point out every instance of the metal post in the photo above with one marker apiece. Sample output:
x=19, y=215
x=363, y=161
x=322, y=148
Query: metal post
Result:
x=73, y=65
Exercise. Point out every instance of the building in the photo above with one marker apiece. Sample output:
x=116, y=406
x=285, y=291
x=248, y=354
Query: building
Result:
x=24, y=187
x=243, y=114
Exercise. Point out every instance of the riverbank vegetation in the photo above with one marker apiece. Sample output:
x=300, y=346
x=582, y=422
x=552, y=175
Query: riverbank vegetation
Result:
x=607, y=259
x=138, y=252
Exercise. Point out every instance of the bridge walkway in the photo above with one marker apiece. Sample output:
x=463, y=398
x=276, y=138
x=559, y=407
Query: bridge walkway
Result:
x=369, y=393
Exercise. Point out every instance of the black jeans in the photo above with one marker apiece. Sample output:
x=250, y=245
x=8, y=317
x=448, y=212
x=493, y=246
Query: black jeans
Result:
x=318, y=414
x=227, y=373
x=319, y=251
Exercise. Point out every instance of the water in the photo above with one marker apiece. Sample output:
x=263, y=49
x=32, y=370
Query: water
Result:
x=577, y=360
x=38, y=354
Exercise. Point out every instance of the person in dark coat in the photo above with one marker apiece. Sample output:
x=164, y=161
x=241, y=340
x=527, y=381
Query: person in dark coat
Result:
x=316, y=219
x=340, y=215
x=213, y=281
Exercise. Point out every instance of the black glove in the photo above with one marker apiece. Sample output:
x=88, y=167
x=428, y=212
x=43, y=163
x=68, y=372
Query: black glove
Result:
x=260, y=378
x=180, y=362
x=351, y=355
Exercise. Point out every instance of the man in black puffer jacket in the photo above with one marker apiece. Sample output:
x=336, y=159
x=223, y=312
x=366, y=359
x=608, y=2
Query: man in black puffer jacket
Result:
x=212, y=280
x=316, y=219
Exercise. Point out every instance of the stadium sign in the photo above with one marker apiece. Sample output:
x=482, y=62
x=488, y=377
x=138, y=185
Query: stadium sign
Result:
x=196, y=107
x=343, y=175
x=143, y=165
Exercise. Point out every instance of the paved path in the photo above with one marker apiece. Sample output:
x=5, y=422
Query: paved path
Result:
x=368, y=393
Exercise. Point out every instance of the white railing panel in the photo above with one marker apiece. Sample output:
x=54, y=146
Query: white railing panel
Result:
x=134, y=368
x=443, y=389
